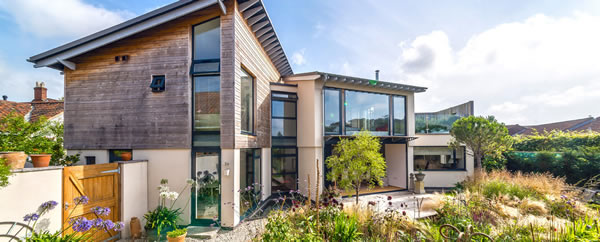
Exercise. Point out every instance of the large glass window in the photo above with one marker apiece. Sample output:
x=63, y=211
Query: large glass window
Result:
x=367, y=111
x=333, y=122
x=438, y=158
x=207, y=103
x=249, y=180
x=247, y=95
x=207, y=40
x=399, y=115
x=284, y=154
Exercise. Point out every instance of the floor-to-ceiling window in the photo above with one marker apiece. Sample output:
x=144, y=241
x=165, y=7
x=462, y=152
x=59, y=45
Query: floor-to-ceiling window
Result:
x=250, y=186
x=332, y=117
x=206, y=120
x=399, y=103
x=284, y=152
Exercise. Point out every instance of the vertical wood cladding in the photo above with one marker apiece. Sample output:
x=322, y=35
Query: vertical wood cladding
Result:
x=250, y=54
x=109, y=104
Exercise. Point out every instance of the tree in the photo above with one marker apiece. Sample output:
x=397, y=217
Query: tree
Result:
x=355, y=161
x=482, y=135
x=16, y=134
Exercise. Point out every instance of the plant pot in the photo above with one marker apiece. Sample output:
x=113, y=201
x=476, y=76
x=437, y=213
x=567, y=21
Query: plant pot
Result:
x=152, y=236
x=41, y=160
x=420, y=176
x=125, y=156
x=180, y=238
x=16, y=160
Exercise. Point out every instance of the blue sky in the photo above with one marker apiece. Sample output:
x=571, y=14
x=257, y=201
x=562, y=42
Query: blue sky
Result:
x=524, y=61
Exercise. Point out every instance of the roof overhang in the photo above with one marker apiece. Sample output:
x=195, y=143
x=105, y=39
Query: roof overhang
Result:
x=58, y=57
x=329, y=77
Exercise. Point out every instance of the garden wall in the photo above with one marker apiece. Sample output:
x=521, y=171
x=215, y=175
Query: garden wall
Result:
x=28, y=188
x=134, y=193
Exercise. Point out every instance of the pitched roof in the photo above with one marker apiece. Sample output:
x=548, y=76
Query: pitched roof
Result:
x=253, y=11
x=329, y=77
x=582, y=124
x=32, y=110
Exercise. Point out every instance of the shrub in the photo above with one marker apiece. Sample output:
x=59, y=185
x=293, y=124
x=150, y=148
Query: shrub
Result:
x=176, y=233
x=4, y=173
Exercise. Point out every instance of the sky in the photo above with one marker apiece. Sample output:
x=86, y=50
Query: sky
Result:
x=525, y=62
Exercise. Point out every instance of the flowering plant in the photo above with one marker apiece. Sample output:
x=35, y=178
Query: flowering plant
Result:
x=165, y=216
x=84, y=227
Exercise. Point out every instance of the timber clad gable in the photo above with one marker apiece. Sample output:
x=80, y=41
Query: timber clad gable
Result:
x=109, y=104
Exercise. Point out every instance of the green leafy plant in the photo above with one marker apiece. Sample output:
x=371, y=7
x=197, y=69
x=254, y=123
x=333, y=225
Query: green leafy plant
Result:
x=165, y=216
x=346, y=229
x=19, y=135
x=4, y=173
x=482, y=135
x=356, y=161
x=176, y=233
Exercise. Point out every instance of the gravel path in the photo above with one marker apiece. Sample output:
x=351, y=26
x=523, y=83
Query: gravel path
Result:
x=246, y=231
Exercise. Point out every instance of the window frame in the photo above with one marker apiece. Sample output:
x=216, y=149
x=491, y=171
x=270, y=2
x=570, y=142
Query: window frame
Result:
x=454, y=153
x=252, y=121
x=392, y=107
x=210, y=60
x=341, y=124
x=390, y=111
x=292, y=99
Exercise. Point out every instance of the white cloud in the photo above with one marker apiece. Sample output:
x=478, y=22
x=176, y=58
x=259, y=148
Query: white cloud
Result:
x=18, y=84
x=298, y=57
x=61, y=18
x=542, y=69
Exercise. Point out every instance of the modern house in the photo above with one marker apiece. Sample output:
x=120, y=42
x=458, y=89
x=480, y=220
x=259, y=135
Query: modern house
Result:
x=203, y=89
x=589, y=124
x=41, y=105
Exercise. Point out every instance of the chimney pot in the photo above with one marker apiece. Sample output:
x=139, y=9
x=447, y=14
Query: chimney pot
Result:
x=40, y=92
x=4, y=97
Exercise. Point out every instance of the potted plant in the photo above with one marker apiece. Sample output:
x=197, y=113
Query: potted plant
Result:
x=40, y=159
x=164, y=217
x=14, y=159
x=125, y=155
x=177, y=235
x=420, y=175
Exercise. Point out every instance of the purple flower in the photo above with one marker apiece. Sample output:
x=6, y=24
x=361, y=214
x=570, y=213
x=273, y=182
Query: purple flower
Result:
x=119, y=226
x=81, y=224
x=49, y=205
x=97, y=223
x=389, y=198
x=108, y=225
x=31, y=217
x=81, y=200
x=101, y=211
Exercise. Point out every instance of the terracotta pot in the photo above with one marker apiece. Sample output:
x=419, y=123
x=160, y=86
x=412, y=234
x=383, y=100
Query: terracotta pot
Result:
x=126, y=156
x=180, y=238
x=420, y=176
x=16, y=160
x=41, y=160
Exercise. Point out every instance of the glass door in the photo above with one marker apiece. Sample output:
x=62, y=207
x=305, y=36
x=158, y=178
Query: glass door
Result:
x=207, y=198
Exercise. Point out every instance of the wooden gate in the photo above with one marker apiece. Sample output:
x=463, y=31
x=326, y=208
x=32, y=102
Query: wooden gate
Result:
x=101, y=184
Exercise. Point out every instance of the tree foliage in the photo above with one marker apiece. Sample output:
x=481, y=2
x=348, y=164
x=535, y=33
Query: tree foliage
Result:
x=4, y=173
x=16, y=134
x=484, y=136
x=356, y=161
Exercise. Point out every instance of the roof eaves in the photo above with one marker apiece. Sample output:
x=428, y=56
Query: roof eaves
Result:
x=368, y=82
x=45, y=58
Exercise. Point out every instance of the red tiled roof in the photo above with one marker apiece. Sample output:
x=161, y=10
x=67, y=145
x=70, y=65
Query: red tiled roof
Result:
x=7, y=107
x=37, y=109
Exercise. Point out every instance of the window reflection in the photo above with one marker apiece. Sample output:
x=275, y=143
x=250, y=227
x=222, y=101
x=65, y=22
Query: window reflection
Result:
x=207, y=103
x=399, y=115
x=332, y=111
x=438, y=158
x=367, y=111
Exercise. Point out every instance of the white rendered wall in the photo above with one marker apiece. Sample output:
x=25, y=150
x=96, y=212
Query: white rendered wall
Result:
x=230, y=186
x=134, y=193
x=28, y=188
x=395, y=159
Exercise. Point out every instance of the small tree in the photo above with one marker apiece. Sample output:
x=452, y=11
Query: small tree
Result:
x=482, y=135
x=355, y=161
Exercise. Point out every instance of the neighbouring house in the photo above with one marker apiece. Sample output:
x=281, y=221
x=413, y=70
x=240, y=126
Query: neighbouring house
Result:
x=589, y=124
x=203, y=89
x=41, y=105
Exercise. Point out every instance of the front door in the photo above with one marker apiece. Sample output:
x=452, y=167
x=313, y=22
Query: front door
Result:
x=207, y=197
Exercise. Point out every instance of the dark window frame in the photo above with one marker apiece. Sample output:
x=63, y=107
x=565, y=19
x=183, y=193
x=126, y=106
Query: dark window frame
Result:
x=454, y=154
x=340, y=111
x=393, y=131
x=292, y=97
x=211, y=60
x=112, y=157
x=390, y=111
x=252, y=104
